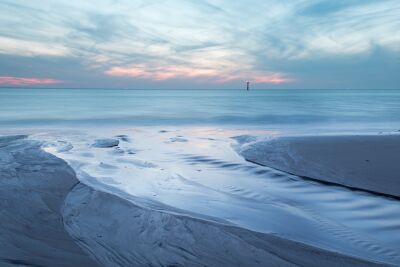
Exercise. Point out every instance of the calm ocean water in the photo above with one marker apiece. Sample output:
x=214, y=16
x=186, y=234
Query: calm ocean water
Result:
x=347, y=109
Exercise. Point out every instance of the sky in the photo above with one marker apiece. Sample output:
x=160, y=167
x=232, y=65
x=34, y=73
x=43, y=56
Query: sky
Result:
x=200, y=44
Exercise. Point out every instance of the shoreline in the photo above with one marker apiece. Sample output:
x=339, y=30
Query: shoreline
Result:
x=318, y=180
x=200, y=246
x=107, y=226
x=85, y=216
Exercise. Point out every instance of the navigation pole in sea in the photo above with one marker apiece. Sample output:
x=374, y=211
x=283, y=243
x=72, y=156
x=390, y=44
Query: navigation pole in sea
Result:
x=248, y=85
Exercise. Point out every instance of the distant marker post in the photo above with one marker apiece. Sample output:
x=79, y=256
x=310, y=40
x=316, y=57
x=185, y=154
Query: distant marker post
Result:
x=248, y=86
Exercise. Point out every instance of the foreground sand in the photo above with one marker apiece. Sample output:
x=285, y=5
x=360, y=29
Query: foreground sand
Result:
x=46, y=212
x=364, y=162
x=33, y=186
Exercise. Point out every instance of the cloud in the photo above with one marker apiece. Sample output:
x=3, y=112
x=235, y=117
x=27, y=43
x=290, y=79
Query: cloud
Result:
x=221, y=42
x=179, y=72
x=23, y=81
x=327, y=7
x=15, y=46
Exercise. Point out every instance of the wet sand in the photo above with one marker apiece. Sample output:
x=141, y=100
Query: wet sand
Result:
x=175, y=199
x=33, y=187
x=368, y=162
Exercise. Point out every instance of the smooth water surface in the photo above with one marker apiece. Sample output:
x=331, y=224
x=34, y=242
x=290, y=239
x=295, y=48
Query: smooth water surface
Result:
x=352, y=109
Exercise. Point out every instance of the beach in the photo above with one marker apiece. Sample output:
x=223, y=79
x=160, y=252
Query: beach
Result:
x=104, y=178
x=366, y=162
x=164, y=196
x=210, y=133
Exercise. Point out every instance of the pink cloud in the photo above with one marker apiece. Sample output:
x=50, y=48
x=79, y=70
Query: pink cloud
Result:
x=23, y=81
x=180, y=72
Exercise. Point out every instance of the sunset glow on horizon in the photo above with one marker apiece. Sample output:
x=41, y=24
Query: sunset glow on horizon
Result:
x=23, y=81
x=175, y=72
x=200, y=44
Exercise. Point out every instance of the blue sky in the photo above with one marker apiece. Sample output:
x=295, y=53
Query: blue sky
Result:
x=200, y=44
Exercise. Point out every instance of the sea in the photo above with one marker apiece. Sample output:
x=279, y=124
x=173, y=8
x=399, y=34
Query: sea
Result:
x=340, y=110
